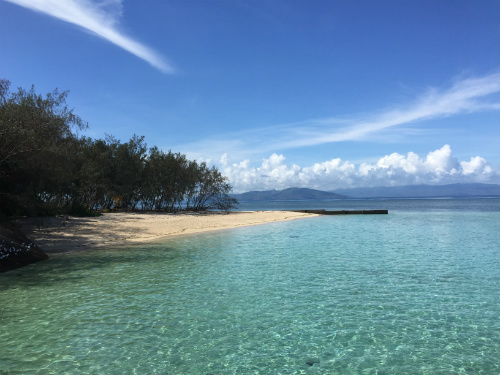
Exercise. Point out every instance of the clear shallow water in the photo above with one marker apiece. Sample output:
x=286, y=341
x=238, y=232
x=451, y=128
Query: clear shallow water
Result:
x=413, y=292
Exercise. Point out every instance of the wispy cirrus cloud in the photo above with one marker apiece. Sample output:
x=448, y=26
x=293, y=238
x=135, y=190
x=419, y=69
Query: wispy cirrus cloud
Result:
x=100, y=18
x=466, y=95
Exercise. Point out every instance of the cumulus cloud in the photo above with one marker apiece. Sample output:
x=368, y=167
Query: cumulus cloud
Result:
x=437, y=167
x=100, y=18
x=476, y=166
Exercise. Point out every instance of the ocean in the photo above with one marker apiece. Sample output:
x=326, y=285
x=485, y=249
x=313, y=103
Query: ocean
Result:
x=416, y=291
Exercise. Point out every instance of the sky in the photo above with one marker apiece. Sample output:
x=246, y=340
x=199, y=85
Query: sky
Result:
x=324, y=94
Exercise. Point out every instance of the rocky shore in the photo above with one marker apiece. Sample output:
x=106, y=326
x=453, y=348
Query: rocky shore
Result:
x=16, y=249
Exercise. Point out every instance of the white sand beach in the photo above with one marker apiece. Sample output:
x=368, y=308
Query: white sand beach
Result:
x=70, y=234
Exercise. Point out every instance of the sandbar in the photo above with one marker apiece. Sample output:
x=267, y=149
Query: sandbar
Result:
x=70, y=234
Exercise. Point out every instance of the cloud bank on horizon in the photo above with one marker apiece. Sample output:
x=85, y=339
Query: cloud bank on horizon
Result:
x=438, y=167
x=100, y=18
x=466, y=95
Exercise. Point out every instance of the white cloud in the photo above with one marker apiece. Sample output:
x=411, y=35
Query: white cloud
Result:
x=441, y=161
x=437, y=167
x=477, y=165
x=100, y=18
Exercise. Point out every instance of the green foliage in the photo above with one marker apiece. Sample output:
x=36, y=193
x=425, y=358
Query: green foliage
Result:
x=46, y=168
x=165, y=178
x=210, y=190
x=36, y=149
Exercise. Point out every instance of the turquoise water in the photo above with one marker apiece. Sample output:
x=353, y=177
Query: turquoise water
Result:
x=413, y=292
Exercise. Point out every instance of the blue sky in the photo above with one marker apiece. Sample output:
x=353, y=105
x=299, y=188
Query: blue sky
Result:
x=276, y=93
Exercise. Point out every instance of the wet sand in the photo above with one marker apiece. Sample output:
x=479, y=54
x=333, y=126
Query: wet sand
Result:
x=70, y=234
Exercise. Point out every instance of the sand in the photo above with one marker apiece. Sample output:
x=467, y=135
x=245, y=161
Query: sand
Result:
x=70, y=234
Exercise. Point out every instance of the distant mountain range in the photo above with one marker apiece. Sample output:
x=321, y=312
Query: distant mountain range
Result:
x=423, y=191
x=287, y=194
x=411, y=191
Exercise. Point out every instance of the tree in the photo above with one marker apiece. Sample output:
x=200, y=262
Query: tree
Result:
x=210, y=191
x=46, y=168
x=93, y=178
x=129, y=160
x=166, y=179
x=36, y=140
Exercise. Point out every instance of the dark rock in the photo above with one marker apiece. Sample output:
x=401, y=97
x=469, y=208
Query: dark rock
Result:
x=17, y=250
x=312, y=361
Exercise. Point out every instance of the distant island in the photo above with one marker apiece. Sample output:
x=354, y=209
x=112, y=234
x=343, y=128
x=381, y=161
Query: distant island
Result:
x=287, y=194
x=409, y=191
x=424, y=191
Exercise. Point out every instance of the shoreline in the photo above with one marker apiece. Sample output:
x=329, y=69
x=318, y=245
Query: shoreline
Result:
x=68, y=234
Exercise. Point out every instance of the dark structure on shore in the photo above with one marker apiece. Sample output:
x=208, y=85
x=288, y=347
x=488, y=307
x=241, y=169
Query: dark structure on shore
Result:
x=345, y=212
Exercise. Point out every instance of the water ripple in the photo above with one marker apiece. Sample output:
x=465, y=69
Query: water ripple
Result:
x=404, y=294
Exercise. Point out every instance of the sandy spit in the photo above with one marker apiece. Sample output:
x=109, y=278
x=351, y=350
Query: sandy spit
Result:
x=70, y=234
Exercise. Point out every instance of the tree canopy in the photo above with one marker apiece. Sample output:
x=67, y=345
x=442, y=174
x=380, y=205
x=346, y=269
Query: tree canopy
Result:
x=46, y=167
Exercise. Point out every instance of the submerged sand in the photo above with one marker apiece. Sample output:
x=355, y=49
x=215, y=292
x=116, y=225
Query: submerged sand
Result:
x=69, y=234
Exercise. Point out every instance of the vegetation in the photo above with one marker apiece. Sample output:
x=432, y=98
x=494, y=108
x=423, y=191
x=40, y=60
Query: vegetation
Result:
x=47, y=168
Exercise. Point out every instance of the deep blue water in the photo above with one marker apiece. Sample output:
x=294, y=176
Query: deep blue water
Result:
x=413, y=292
x=393, y=205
